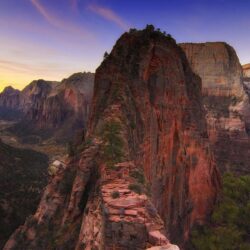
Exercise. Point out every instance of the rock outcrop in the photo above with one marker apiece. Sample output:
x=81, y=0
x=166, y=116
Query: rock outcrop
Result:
x=226, y=102
x=9, y=103
x=10, y=98
x=50, y=104
x=145, y=173
x=32, y=98
x=246, y=78
x=246, y=70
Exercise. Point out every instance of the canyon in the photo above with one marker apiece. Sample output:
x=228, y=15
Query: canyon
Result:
x=23, y=177
x=154, y=129
x=146, y=173
x=36, y=126
x=49, y=109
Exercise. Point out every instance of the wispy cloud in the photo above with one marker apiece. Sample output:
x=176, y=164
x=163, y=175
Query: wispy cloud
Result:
x=45, y=13
x=57, y=22
x=20, y=67
x=109, y=15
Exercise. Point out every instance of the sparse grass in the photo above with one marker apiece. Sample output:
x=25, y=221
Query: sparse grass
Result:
x=135, y=188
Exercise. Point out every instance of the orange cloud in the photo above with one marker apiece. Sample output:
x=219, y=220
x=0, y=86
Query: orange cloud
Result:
x=57, y=22
x=109, y=15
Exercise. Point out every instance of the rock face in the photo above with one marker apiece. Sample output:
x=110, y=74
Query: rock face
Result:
x=9, y=103
x=223, y=72
x=50, y=104
x=60, y=107
x=10, y=98
x=32, y=98
x=246, y=78
x=146, y=174
x=226, y=102
x=246, y=70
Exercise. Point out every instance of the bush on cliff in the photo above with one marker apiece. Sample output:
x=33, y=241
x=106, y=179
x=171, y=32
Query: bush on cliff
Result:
x=230, y=225
x=113, y=142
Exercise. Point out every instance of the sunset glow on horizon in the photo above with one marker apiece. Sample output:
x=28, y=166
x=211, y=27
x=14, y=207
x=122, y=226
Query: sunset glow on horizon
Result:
x=52, y=39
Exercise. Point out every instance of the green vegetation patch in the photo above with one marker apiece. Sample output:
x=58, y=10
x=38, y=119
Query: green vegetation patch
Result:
x=138, y=175
x=115, y=194
x=23, y=175
x=66, y=183
x=135, y=188
x=112, y=143
x=229, y=228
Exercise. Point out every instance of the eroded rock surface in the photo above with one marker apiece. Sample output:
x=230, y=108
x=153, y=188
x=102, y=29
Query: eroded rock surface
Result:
x=147, y=173
x=246, y=78
x=226, y=102
x=50, y=108
x=10, y=98
x=246, y=70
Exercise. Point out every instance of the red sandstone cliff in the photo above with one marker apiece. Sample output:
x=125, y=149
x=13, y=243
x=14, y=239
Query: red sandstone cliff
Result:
x=49, y=104
x=148, y=173
x=226, y=102
x=246, y=78
x=10, y=98
x=53, y=106
x=246, y=70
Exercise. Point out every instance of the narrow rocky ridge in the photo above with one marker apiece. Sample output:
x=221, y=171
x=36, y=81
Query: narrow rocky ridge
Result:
x=147, y=173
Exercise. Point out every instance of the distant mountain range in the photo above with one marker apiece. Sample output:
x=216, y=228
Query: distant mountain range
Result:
x=47, y=108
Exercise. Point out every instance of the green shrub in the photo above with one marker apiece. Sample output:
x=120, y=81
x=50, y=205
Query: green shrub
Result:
x=71, y=149
x=133, y=125
x=113, y=143
x=66, y=183
x=138, y=175
x=105, y=55
x=115, y=194
x=230, y=225
x=150, y=27
x=135, y=188
x=80, y=148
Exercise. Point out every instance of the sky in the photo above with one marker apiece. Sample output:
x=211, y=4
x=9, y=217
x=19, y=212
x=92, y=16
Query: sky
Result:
x=51, y=39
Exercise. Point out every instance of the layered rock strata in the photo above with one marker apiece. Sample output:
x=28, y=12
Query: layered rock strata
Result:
x=50, y=103
x=246, y=70
x=226, y=102
x=51, y=106
x=10, y=98
x=147, y=173
x=246, y=78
